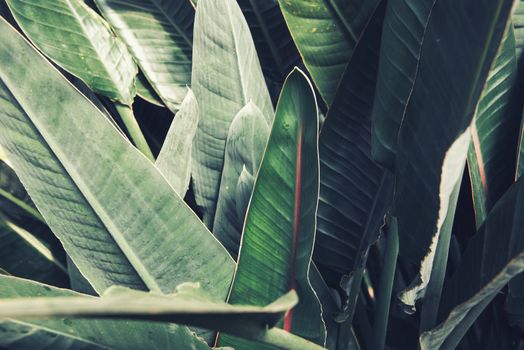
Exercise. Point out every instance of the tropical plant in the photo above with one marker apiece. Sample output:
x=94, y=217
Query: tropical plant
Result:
x=169, y=178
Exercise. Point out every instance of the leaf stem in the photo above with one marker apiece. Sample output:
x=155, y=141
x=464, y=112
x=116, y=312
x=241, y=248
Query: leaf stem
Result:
x=129, y=120
x=385, y=288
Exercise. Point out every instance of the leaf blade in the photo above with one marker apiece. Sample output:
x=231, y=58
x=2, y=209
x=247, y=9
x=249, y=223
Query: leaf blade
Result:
x=43, y=150
x=279, y=230
x=159, y=35
x=82, y=44
x=226, y=76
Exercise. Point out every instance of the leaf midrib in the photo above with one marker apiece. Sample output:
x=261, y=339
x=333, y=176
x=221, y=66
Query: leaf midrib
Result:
x=94, y=204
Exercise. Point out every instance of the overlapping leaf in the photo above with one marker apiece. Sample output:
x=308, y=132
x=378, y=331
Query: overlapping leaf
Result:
x=159, y=34
x=115, y=214
x=67, y=333
x=80, y=41
x=226, y=76
x=188, y=304
x=435, y=132
x=25, y=255
x=326, y=33
x=275, y=47
x=279, y=231
x=493, y=256
x=354, y=190
x=245, y=145
x=174, y=159
x=405, y=25
x=495, y=131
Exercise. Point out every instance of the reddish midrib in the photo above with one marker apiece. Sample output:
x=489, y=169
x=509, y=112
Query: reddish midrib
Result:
x=296, y=218
x=480, y=159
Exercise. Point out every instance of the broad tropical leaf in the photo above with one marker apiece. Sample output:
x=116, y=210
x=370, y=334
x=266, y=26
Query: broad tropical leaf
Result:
x=188, y=304
x=69, y=333
x=245, y=145
x=435, y=132
x=275, y=47
x=226, y=76
x=354, y=190
x=24, y=255
x=174, y=159
x=159, y=34
x=89, y=185
x=495, y=131
x=326, y=33
x=279, y=230
x=405, y=25
x=493, y=256
x=80, y=41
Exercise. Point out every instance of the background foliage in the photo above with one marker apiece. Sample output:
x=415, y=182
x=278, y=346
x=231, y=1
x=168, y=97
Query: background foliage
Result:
x=261, y=174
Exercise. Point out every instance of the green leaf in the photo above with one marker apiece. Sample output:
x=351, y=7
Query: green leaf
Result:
x=326, y=33
x=245, y=145
x=492, y=257
x=518, y=24
x=244, y=188
x=354, y=190
x=146, y=91
x=159, y=34
x=275, y=47
x=70, y=333
x=14, y=201
x=495, y=131
x=25, y=255
x=188, y=305
x=435, y=132
x=115, y=214
x=520, y=151
x=174, y=159
x=405, y=27
x=226, y=76
x=279, y=231
x=80, y=41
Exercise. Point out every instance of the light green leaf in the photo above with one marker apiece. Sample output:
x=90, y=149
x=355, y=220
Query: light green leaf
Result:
x=146, y=91
x=435, y=132
x=80, y=41
x=279, y=231
x=159, y=35
x=245, y=145
x=115, y=214
x=69, y=333
x=188, y=305
x=493, y=256
x=326, y=33
x=244, y=188
x=174, y=159
x=495, y=131
x=226, y=76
